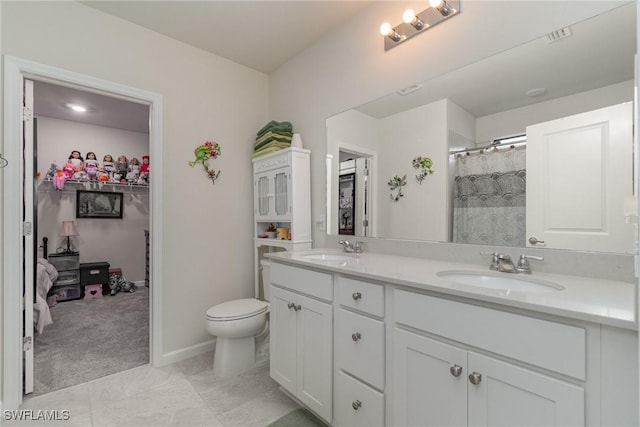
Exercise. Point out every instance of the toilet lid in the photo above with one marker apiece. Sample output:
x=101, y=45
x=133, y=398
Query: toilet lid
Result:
x=237, y=309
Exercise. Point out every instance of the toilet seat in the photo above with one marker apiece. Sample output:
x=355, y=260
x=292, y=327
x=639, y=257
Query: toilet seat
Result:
x=237, y=309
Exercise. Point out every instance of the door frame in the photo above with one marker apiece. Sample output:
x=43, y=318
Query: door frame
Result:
x=15, y=71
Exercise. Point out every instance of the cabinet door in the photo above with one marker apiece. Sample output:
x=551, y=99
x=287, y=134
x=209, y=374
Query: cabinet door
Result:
x=282, y=338
x=510, y=396
x=315, y=355
x=429, y=382
x=281, y=193
x=262, y=196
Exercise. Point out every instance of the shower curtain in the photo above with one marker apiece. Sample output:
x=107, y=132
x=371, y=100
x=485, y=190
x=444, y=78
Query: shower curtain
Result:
x=489, y=197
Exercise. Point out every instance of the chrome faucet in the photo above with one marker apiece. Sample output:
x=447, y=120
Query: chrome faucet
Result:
x=352, y=248
x=503, y=263
x=523, y=263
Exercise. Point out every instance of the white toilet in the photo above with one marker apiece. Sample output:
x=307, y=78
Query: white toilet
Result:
x=238, y=324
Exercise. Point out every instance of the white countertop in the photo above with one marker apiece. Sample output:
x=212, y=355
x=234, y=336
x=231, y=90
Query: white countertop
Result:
x=606, y=302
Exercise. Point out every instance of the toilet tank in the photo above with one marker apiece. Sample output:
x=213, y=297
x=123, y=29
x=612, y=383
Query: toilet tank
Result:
x=266, y=279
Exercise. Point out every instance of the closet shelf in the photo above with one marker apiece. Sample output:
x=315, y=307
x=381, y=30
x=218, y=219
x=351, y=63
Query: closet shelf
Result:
x=71, y=185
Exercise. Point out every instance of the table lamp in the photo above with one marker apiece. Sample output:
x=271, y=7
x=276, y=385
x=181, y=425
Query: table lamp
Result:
x=68, y=229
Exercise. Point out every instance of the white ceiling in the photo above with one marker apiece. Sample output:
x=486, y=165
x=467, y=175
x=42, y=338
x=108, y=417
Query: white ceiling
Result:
x=258, y=34
x=274, y=31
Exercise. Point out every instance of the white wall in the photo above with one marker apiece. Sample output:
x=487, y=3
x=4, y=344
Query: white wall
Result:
x=205, y=97
x=120, y=242
x=349, y=66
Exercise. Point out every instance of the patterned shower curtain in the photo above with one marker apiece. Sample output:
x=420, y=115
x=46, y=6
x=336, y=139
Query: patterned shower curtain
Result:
x=489, y=197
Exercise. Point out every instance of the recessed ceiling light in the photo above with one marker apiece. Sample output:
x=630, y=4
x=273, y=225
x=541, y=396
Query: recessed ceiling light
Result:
x=539, y=91
x=77, y=108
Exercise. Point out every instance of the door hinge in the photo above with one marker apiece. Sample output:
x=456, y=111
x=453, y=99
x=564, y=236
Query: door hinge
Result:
x=27, y=114
x=26, y=343
x=27, y=228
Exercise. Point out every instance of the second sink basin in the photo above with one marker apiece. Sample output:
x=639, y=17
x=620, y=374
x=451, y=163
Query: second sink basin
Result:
x=329, y=257
x=502, y=281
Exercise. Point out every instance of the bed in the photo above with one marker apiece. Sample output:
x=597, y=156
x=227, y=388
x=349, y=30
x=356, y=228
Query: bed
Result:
x=46, y=274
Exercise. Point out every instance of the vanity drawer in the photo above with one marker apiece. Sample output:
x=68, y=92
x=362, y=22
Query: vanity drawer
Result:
x=550, y=345
x=313, y=283
x=356, y=404
x=363, y=296
x=359, y=346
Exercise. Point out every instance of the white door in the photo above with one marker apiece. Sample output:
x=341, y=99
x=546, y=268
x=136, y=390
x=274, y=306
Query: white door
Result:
x=579, y=175
x=429, y=382
x=508, y=396
x=282, y=338
x=28, y=241
x=315, y=355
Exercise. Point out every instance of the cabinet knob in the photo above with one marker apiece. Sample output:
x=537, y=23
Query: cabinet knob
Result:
x=356, y=405
x=356, y=296
x=356, y=337
x=475, y=378
x=455, y=370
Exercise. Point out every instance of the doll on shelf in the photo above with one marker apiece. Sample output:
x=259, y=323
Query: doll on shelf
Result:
x=134, y=170
x=109, y=166
x=144, y=167
x=91, y=166
x=122, y=167
x=75, y=158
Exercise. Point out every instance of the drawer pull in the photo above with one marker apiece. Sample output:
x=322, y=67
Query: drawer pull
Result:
x=356, y=405
x=94, y=271
x=291, y=305
x=356, y=296
x=297, y=307
x=356, y=337
x=455, y=370
x=475, y=378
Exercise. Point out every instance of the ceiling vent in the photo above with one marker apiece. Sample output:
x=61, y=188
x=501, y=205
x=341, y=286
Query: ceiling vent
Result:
x=409, y=89
x=560, y=34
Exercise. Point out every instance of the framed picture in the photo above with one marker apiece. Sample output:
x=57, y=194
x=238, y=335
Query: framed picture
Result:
x=98, y=204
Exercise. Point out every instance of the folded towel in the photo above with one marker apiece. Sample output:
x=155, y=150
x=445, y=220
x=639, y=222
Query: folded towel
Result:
x=261, y=144
x=270, y=147
x=275, y=126
x=285, y=136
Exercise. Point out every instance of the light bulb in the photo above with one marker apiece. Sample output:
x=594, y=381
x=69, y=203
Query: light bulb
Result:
x=435, y=3
x=385, y=29
x=77, y=108
x=408, y=16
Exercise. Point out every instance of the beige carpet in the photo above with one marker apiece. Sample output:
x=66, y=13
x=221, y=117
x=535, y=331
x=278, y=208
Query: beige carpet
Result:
x=92, y=338
x=298, y=418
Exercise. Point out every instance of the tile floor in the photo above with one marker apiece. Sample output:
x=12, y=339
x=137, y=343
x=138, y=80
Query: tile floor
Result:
x=185, y=394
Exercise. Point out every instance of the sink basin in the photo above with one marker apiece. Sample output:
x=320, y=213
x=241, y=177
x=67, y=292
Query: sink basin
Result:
x=502, y=281
x=329, y=257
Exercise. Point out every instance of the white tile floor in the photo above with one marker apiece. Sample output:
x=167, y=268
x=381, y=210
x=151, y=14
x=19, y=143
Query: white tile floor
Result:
x=185, y=394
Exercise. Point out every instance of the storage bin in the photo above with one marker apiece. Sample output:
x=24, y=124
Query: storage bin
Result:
x=68, y=277
x=93, y=273
x=66, y=293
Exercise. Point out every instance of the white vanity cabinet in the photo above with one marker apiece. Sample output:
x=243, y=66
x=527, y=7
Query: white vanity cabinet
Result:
x=359, y=353
x=450, y=384
x=301, y=351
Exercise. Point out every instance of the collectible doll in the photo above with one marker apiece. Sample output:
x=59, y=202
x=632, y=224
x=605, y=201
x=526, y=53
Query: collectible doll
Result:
x=75, y=158
x=144, y=167
x=134, y=170
x=109, y=166
x=122, y=167
x=91, y=165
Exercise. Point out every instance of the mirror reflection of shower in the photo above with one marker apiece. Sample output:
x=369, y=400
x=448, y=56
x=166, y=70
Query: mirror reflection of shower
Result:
x=354, y=194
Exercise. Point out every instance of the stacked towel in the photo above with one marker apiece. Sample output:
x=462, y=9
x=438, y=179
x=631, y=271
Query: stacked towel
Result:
x=272, y=137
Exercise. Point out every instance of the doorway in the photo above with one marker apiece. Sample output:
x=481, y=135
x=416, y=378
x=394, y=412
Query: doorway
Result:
x=16, y=230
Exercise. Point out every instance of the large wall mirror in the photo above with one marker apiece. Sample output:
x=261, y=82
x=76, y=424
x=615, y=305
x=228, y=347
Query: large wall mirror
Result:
x=531, y=147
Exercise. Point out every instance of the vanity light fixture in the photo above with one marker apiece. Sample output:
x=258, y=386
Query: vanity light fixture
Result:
x=441, y=6
x=386, y=30
x=413, y=24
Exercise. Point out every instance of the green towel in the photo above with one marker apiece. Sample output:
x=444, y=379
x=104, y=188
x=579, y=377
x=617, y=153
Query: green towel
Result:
x=274, y=137
x=275, y=126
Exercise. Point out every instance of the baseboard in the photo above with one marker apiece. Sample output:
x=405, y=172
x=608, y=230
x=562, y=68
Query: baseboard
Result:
x=185, y=353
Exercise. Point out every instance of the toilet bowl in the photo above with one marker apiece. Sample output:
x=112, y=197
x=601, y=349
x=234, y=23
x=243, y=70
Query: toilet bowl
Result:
x=237, y=324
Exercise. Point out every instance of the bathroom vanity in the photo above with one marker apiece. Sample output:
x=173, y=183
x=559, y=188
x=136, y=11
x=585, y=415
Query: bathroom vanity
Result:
x=372, y=340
